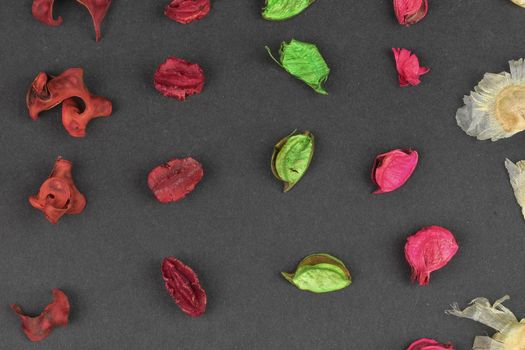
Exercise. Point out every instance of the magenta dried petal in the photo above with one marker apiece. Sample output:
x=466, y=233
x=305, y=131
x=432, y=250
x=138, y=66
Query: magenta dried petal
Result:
x=428, y=250
x=392, y=170
x=187, y=11
x=179, y=78
x=429, y=344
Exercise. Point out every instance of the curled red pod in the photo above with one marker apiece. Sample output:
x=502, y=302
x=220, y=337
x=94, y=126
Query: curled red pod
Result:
x=43, y=11
x=428, y=250
x=184, y=287
x=98, y=10
x=179, y=78
x=47, y=92
x=172, y=181
x=392, y=170
x=186, y=11
x=410, y=11
x=408, y=69
x=429, y=344
x=56, y=314
x=58, y=195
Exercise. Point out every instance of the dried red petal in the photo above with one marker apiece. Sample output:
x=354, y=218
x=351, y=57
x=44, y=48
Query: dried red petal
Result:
x=408, y=68
x=179, y=78
x=429, y=344
x=392, y=170
x=183, y=286
x=43, y=11
x=47, y=92
x=428, y=250
x=172, y=181
x=97, y=9
x=54, y=315
x=186, y=11
x=58, y=195
x=410, y=11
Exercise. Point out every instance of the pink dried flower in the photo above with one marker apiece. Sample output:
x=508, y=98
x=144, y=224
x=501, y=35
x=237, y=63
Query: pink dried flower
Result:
x=428, y=250
x=410, y=11
x=392, y=169
x=408, y=68
x=429, y=344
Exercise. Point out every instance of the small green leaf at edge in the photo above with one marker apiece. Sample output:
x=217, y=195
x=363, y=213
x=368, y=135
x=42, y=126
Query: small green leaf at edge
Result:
x=286, y=18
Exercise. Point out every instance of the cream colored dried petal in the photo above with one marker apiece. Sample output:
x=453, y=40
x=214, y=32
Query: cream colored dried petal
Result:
x=486, y=343
x=517, y=181
x=519, y=2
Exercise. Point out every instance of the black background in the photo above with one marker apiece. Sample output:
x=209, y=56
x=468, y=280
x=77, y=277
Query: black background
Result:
x=237, y=229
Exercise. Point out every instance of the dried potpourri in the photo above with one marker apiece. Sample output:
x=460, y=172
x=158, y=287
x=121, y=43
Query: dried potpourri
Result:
x=517, y=181
x=186, y=11
x=43, y=11
x=279, y=10
x=47, y=92
x=58, y=195
x=410, y=11
x=496, y=107
x=428, y=250
x=511, y=332
x=291, y=158
x=408, y=68
x=184, y=287
x=55, y=314
x=179, y=78
x=305, y=62
x=519, y=2
x=172, y=181
x=392, y=170
x=320, y=273
x=429, y=344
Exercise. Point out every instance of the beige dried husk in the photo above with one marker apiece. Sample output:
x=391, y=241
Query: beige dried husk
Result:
x=519, y=2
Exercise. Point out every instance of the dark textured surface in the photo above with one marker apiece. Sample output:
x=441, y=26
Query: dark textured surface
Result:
x=237, y=229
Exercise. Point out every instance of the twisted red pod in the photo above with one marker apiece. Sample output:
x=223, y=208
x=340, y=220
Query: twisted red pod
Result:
x=43, y=11
x=58, y=195
x=54, y=315
x=183, y=285
x=392, y=170
x=408, y=69
x=428, y=250
x=429, y=344
x=186, y=11
x=173, y=180
x=178, y=78
x=410, y=11
x=47, y=92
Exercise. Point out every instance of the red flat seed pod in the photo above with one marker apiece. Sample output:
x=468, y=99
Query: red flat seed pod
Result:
x=183, y=285
x=43, y=11
x=54, y=315
x=178, y=78
x=429, y=344
x=186, y=11
x=58, y=195
x=408, y=68
x=410, y=11
x=428, y=250
x=172, y=181
x=98, y=10
x=392, y=170
x=47, y=92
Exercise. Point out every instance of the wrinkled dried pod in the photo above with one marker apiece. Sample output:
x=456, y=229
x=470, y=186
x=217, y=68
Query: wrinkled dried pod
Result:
x=408, y=68
x=184, y=287
x=392, y=170
x=280, y=10
x=47, y=92
x=179, y=78
x=320, y=273
x=43, y=11
x=55, y=314
x=58, y=195
x=517, y=181
x=172, y=181
x=511, y=332
x=429, y=344
x=428, y=250
x=291, y=158
x=496, y=107
x=305, y=62
x=519, y=2
x=187, y=11
x=410, y=11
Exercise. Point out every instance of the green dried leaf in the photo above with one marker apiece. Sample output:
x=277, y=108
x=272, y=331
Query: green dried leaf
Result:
x=320, y=273
x=279, y=10
x=291, y=158
x=305, y=62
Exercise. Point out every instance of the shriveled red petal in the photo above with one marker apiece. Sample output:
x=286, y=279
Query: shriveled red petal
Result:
x=410, y=11
x=179, y=78
x=56, y=314
x=408, y=68
x=47, y=92
x=429, y=344
x=392, y=170
x=428, y=250
x=58, y=195
x=98, y=10
x=172, y=181
x=186, y=11
x=43, y=11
